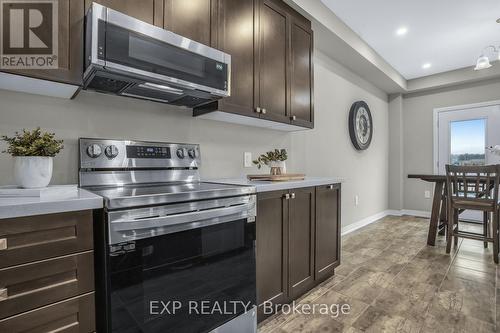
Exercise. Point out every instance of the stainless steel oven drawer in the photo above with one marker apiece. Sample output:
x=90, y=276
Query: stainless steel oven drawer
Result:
x=134, y=224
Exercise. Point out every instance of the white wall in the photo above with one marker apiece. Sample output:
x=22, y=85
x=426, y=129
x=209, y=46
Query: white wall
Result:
x=324, y=151
x=417, y=138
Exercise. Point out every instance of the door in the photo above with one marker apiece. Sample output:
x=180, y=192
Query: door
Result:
x=301, y=240
x=271, y=78
x=327, y=231
x=301, y=73
x=70, y=44
x=272, y=248
x=132, y=49
x=150, y=11
x=235, y=36
x=190, y=272
x=463, y=136
x=189, y=18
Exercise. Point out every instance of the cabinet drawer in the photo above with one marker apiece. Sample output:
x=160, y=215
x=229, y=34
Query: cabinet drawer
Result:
x=29, y=286
x=75, y=315
x=41, y=237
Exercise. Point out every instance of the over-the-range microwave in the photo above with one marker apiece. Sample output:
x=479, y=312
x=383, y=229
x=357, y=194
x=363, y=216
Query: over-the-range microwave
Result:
x=128, y=57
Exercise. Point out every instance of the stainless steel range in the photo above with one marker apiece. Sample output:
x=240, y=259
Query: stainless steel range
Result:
x=173, y=254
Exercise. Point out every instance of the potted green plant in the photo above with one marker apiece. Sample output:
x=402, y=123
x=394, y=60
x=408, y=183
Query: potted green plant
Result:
x=275, y=160
x=33, y=152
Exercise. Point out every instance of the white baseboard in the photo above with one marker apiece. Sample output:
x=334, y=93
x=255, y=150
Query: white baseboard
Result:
x=364, y=222
x=417, y=213
x=374, y=218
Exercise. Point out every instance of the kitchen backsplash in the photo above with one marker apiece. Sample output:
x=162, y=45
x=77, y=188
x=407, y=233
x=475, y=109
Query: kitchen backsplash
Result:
x=103, y=116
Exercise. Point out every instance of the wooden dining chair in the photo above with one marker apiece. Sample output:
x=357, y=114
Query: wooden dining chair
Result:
x=473, y=188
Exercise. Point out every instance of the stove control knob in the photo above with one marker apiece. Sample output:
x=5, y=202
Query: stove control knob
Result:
x=180, y=153
x=192, y=153
x=94, y=151
x=111, y=151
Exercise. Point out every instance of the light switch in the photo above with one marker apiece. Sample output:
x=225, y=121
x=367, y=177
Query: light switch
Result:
x=427, y=194
x=247, y=160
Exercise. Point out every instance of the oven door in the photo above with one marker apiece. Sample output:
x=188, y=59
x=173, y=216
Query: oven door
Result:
x=190, y=279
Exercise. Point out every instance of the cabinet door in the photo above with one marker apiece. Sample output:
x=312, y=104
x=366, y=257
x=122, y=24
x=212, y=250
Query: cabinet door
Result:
x=235, y=36
x=189, y=18
x=301, y=73
x=70, y=43
x=327, y=230
x=272, y=248
x=149, y=11
x=271, y=79
x=76, y=315
x=301, y=239
x=41, y=237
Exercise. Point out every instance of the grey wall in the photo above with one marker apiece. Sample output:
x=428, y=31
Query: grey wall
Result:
x=327, y=150
x=395, y=152
x=324, y=151
x=417, y=138
x=102, y=116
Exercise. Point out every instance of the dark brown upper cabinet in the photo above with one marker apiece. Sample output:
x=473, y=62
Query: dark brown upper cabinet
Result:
x=301, y=73
x=189, y=18
x=271, y=75
x=327, y=231
x=233, y=31
x=150, y=11
x=301, y=241
x=272, y=70
x=70, y=44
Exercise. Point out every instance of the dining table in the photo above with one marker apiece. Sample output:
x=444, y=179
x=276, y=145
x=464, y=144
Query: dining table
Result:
x=439, y=211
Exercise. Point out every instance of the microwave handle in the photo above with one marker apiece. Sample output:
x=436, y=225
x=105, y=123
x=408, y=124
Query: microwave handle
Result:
x=171, y=220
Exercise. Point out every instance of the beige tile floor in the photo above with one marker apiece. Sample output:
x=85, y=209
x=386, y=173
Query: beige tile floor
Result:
x=394, y=282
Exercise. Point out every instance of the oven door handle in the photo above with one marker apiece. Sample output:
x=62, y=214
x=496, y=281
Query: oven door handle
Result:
x=170, y=220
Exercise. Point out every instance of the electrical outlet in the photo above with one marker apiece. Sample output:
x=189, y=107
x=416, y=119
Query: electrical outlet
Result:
x=247, y=159
x=356, y=200
x=427, y=194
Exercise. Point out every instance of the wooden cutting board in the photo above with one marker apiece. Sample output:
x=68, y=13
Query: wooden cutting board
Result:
x=278, y=178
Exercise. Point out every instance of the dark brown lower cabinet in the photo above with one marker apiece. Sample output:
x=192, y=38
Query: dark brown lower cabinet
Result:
x=272, y=248
x=298, y=242
x=301, y=241
x=47, y=273
x=327, y=246
x=74, y=315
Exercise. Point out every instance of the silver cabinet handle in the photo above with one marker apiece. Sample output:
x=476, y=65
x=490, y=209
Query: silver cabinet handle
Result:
x=4, y=294
x=3, y=244
x=258, y=110
x=293, y=117
x=287, y=196
x=330, y=187
x=264, y=111
x=293, y=196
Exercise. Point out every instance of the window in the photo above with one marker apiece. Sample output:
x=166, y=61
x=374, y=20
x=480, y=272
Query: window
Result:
x=468, y=142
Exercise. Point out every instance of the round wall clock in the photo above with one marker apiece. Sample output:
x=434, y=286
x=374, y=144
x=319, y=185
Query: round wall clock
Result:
x=360, y=125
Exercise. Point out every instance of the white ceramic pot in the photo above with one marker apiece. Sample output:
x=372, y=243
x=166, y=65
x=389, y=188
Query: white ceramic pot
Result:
x=277, y=168
x=32, y=171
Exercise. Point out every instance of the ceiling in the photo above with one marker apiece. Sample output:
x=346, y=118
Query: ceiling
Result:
x=447, y=34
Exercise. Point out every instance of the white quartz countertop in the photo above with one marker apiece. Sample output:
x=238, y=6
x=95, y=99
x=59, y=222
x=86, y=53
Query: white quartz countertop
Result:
x=28, y=206
x=267, y=186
